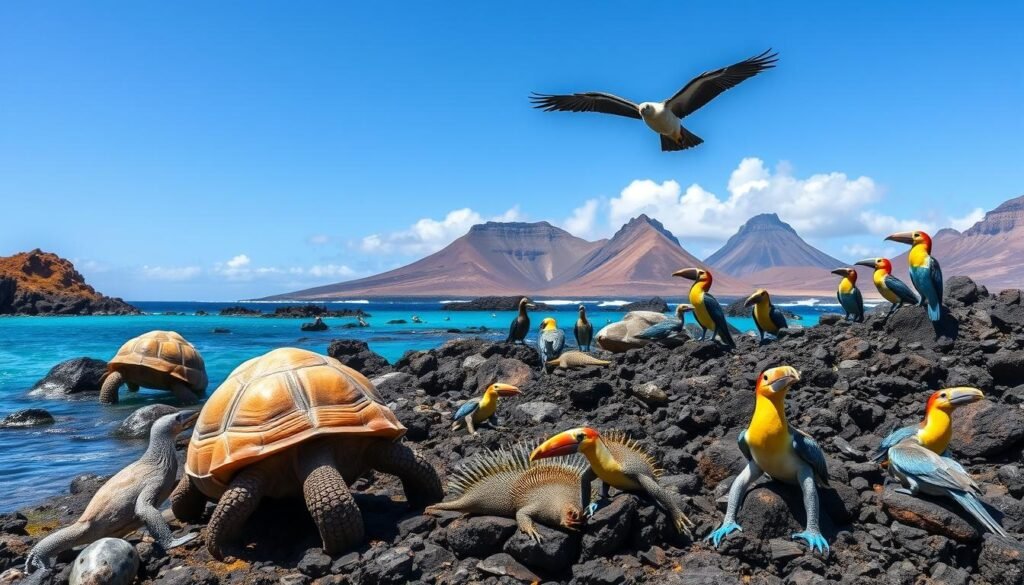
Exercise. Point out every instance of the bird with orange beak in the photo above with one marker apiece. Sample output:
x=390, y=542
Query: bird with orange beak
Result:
x=925, y=272
x=785, y=453
x=706, y=308
x=849, y=295
x=917, y=456
x=767, y=317
x=891, y=288
x=618, y=462
x=477, y=411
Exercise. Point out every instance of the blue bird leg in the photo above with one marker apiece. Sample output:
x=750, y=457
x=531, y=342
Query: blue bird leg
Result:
x=811, y=533
x=737, y=492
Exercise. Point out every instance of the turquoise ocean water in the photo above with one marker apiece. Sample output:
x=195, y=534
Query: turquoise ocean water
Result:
x=39, y=462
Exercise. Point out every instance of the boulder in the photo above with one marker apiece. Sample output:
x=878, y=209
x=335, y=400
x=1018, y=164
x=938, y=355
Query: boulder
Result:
x=29, y=417
x=317, y=325
x=503, y=565
x=108, y=561
x=555, y=553
x=986, y=428
x=961, y=289
x=1001, y=561
x=912, y=325
x=71, y=377
x=539, y=411
x=609, y=527
x=935, y=515
x=358, y=356
x=656, y=304
x=479, y=536
x=137, y=424
x=1007, y=367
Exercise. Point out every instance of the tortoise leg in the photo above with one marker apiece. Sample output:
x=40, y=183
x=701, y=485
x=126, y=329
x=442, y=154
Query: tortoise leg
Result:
x=233, y=509
x=419, y=478
x=187, y=502
x=111, y=384
x=184, y=394
x=328, y=500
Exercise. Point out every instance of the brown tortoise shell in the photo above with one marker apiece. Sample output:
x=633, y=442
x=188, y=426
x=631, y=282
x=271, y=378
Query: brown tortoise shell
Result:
x=150, y=358
x=280, y=399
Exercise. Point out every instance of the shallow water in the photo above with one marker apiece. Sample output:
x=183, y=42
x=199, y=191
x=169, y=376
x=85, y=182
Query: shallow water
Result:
x=40, y=462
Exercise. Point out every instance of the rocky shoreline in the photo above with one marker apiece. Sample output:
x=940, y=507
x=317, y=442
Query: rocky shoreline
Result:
x=40, y=283
x=687, y=404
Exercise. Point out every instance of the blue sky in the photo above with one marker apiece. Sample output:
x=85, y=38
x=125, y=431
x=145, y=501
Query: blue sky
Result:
x=198, y=150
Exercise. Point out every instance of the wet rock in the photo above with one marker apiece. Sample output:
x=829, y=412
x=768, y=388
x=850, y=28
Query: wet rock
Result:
x=108, y=561
x=358, y=356
x=540, y=411
x=986, y=428
x=934, y=515
x=29, y=417
x=609, y=528
x=651, y=394
x=71, y=377
x=1001, y=561
x=503, y=565
x=479, y=536
x=555, y=553
x=137, y=424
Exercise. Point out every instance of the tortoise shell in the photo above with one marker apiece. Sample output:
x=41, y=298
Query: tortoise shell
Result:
x=278, y=400
x=149, y=358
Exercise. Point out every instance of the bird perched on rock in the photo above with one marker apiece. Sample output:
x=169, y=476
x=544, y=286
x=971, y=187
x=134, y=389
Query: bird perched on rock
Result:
x=925, y=272
x=663, y=117
x=550, y=342
x=521, y=324
x=670, y=330
x=706, y=308
x=618, y=462
x=916, y=457
x=772, y=446
x=891, y=288
x=507, y=483
x=767, y=317
x=476, y=411
x=849, y=295
x=584, y=330
x=128, y=500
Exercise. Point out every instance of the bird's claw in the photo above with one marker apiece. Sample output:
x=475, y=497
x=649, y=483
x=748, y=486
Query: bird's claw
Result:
x=721, y=532
x=815, y=541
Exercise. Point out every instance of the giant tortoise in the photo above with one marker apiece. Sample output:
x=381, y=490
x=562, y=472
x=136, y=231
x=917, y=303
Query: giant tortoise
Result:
x=161, y=360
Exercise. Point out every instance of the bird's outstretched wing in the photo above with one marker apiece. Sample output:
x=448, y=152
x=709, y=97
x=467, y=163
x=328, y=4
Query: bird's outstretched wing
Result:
x=901, y=289
x=809, y=450
x=706, y=86
x=468, y=408
x=591, y=101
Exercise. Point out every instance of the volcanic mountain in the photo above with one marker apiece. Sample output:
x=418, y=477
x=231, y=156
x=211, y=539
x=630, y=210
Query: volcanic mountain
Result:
x=41, y=283
x=638, y=260
x=991, y=251
x=492, y=259
x=766, y=242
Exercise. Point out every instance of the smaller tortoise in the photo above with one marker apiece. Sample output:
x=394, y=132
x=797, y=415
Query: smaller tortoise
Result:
x=292, y=422
x=161, y=360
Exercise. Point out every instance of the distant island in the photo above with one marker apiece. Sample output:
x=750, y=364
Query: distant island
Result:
x=493, y=304
x=41, y=283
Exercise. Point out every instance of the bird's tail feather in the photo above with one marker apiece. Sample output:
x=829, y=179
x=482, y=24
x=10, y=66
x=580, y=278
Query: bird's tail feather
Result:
x=977, y=509
x=687, y=139
x=934, y=311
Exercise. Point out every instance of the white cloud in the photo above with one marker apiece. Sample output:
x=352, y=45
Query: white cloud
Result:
x=171, y=273
x=819, y=205
x=879, y=224
x=330, y=270
x=854, y=252
x=429, y=235
x=583, y=221
x=962, y=223
x=238, y=262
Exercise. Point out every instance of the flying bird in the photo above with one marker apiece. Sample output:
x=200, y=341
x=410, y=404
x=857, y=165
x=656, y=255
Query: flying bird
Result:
x=663, y=117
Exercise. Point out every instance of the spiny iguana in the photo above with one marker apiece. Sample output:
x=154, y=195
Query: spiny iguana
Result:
x=506, y=483
x=576, y=359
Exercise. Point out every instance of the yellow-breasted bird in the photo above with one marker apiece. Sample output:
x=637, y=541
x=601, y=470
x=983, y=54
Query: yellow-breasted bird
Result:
x=618, y=462
x=925, y=272
x=891, y=288
x=476, y=411
x=849, y=295
x=917, y=456
x=785, y=453
x=706, y=308
x=550, y=342
x=767, y=317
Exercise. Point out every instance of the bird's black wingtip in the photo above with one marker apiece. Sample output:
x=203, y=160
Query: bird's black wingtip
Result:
x=766, y=59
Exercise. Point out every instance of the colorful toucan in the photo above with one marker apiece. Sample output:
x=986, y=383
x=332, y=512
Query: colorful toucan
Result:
x=618, y=462
x=668, y=330
x=891, y=288
x=550, y=342
x=479, y=410
x=925, y=272
x=849, y=295
x=706, y=309
x=583, y=331
x=916, y=456
x=786, y=454
x=767, y=317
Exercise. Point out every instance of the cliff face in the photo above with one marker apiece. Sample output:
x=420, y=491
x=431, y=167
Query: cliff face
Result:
x=766, y=242
x=41, y=283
